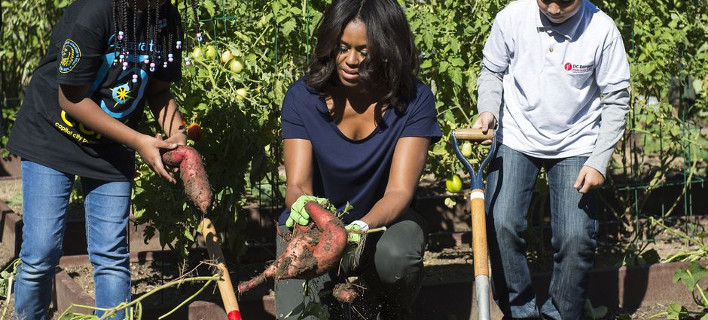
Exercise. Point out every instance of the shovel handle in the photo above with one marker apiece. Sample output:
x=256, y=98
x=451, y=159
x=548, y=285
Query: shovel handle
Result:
x=226, y=289
x=479, y=233
x=479, y=249
x=473, y=134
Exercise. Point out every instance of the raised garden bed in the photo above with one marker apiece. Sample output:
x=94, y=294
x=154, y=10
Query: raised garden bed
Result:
x=636, y=291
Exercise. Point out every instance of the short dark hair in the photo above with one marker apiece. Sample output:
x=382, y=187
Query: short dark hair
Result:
x=392, y=61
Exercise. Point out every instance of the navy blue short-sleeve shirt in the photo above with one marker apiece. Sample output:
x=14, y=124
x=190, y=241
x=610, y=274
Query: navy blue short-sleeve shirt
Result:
x=354, y=171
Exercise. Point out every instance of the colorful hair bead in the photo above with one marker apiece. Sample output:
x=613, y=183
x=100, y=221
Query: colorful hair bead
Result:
x=135, y=78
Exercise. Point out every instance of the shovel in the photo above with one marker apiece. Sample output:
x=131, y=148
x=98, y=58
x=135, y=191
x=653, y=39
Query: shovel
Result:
x=479, y=225
x=226, y=289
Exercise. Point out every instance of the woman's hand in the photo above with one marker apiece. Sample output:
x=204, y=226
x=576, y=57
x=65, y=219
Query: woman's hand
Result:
x=588, y=178
x=149, y=149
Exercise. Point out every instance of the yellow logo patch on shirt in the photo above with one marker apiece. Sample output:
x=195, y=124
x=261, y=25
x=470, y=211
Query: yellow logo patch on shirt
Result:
x=70, y=55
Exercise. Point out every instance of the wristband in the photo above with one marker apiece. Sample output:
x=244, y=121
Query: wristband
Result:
x=362, y=225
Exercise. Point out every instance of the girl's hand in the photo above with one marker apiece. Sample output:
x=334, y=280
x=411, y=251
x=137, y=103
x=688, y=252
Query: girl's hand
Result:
x=589, y=178
x=486, y=122
x=179, y=138
x=149, y=149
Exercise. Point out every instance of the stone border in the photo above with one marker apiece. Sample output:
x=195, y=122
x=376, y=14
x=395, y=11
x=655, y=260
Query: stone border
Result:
x=627, y=287
x=10, y=229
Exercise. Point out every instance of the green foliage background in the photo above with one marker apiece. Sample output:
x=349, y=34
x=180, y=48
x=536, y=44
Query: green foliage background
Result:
x=241, y=140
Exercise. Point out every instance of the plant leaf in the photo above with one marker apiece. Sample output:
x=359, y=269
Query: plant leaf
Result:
x=691, y=276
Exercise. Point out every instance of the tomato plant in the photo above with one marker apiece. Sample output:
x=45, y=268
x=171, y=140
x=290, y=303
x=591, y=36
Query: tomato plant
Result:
x=237, y=105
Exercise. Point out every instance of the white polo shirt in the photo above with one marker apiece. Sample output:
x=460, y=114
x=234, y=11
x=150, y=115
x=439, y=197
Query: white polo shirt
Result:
x=553, y=77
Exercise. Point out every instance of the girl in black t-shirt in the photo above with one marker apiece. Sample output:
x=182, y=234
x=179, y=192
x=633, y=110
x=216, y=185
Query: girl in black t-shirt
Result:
x=106, y=59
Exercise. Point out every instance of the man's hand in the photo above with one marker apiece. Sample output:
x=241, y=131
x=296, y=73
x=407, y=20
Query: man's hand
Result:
x=486, y=122
x=588, y=178
x=149, y=150
x=356, y=225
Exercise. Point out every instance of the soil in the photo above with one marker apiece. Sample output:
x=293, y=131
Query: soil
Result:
x=151, y=274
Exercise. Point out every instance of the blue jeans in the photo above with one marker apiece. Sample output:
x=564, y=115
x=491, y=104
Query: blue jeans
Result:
x=45, y=198
x=510, y=184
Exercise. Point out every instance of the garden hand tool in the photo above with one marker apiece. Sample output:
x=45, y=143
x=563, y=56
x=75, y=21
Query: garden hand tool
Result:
x=479, y=228
x=226, y=289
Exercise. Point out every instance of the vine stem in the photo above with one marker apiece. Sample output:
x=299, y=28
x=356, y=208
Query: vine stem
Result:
x=110, y=312
x=703, y=294
x=187, y=300
x=677, y=233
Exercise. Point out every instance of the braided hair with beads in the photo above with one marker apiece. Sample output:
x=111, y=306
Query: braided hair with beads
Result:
x=164, y=37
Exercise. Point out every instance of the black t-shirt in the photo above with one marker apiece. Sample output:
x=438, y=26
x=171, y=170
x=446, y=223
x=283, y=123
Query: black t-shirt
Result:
x=81, y=52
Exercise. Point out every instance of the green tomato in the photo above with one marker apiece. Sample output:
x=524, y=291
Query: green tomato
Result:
x=454, y=184
x=236, y=65
x=210, y=52
x=197, y=53
x=241, y=93
x=466, y=149
x=226, y=56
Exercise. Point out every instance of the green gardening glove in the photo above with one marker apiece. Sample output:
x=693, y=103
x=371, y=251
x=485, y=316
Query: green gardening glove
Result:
x=356, y=225
x=299, y=214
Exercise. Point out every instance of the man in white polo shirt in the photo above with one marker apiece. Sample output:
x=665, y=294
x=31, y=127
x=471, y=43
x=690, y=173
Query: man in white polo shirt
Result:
x=555, y=75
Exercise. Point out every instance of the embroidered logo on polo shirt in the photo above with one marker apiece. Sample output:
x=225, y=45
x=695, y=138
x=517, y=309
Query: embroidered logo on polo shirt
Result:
x=70, y=55
x=578, y=68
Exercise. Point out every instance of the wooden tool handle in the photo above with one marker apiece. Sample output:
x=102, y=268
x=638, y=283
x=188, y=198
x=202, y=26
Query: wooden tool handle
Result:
x=226, y=289
x=479, y=233
x=472, y=134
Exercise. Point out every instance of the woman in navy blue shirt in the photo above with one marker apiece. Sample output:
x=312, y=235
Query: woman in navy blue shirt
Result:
x=357, y=130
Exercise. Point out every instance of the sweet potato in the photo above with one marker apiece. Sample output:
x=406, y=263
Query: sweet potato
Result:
x=313, y=249
x=193, y=175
